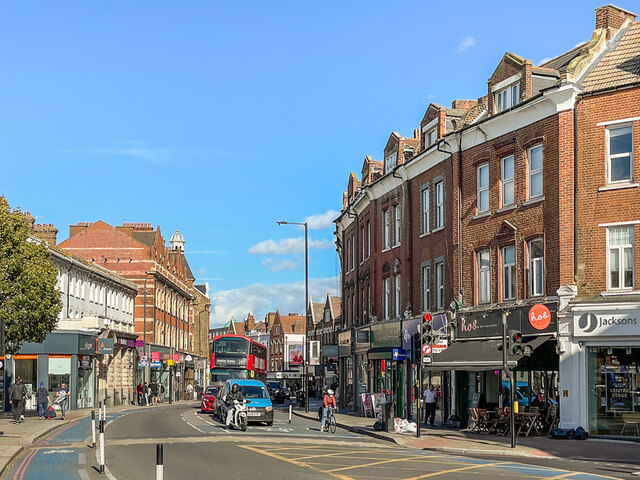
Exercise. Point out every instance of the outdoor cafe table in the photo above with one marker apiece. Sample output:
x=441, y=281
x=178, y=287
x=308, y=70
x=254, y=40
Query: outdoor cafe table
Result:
x=527, y=421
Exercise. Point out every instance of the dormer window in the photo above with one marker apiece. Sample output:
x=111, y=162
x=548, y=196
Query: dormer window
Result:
x=507, y=97
x=430, y=138
x=390, y=162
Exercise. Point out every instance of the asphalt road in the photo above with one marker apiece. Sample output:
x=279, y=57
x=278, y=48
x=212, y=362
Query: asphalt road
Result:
x=197, y=446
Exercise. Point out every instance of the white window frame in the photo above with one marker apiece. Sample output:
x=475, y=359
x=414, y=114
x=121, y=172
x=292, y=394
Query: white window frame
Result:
x=397, y=231
x=484, y=277
x=536, y=266
x=533, y=172
x=390, y=162
x=353, y=252
x=507, y=180
x=386, y=298
x=426, y=288
x=348, y=256
x=426, y=226
x=397, y=304
x=508, y=275
x=363, y=250
x=621, y=259
x=430, y=137
x=618, y=155
x=439, y=204
x=482, y=189
x=440, y=285
x=386, y=241
x=507, y=97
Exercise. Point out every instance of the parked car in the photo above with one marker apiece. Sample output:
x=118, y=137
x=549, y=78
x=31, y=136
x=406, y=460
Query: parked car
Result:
x=286, y=393
x=208, y=400
x=259, y=406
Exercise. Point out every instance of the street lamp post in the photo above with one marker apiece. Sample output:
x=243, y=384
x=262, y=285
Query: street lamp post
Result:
x=305, y=385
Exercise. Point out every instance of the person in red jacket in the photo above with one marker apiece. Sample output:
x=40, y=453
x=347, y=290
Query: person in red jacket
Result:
x=329, y=401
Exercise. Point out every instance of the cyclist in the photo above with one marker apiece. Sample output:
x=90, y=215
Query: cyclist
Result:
x=329, y=401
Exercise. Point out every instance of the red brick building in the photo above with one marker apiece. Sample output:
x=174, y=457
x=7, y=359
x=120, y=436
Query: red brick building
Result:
x=164, y=304
x=490, y=206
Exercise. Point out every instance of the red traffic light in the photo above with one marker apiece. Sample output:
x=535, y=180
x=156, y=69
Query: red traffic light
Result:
x=516, y=337
x=427, y=317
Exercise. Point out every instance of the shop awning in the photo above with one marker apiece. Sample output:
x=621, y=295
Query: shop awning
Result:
x=479, y=354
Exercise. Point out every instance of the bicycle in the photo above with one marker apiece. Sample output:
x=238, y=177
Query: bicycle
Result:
x=331, y=420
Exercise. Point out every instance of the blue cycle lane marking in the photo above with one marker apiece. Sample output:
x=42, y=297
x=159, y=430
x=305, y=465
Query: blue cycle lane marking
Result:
x=47, y=461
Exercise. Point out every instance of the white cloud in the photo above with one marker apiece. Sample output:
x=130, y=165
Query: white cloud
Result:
x=288, y=246
x=278, y=267
x=201, y=271
x=467, y=42
x=260, y=299
x=321, y=220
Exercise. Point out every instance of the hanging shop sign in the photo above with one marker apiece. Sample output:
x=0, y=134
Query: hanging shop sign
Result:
x=85, y=362
x=139, y=343
x=105, y=346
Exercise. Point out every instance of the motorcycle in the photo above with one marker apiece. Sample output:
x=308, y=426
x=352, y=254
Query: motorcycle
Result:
x=239, y=419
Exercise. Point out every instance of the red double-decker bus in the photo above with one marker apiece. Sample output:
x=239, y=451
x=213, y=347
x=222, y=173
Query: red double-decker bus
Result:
x=236, y=356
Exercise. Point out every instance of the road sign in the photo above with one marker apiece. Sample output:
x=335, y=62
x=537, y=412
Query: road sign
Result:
x=155, y=364
x=144, y=358
x=426, y=359
x=399, y=354
x=440, y=345
x=426, y=349
x=143, y=364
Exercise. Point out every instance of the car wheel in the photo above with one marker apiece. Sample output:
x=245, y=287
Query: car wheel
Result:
x=269, y=424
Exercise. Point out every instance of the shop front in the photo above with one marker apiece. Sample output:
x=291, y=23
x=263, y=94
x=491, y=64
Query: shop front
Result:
x=63, y=357
x=410, y=328
x=387, y=361
x=475, y=361
x=362, y=364
x=345, y=370
x=600, y=370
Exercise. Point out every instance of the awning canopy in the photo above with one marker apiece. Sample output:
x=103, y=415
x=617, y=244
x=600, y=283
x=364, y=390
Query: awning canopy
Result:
x=480, y=354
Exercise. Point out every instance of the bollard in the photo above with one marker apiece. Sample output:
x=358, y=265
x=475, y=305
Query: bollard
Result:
x=289, y=413
x=159, y=462
x=93, y=429
x=101, y=446
x=104, y=413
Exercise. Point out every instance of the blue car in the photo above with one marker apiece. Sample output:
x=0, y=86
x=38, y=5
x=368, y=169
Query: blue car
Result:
x=259, y=406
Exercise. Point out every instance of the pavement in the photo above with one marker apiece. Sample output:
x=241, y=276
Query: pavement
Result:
x=15, y=438
x=463, y=442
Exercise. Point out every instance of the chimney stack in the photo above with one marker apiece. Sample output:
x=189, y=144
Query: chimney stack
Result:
x=612, y=18
x=47, y=233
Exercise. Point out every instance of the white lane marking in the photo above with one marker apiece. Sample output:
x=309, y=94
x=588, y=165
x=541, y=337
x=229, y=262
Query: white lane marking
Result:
x=83, y=474
x=82, y=459
x=57, y=450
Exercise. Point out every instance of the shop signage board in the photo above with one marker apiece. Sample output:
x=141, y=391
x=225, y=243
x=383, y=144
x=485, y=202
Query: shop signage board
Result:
x=139, y=343
x=362, y=336
x=528, y=319
x=344, y=339
x=155, y=356
x=105, y=346
x=176, y=358
x=592, y=323
x=314, y=352
x=385, y=335
x=398, y=355
x=85, y=362
x=155, y=364
x=329, y=350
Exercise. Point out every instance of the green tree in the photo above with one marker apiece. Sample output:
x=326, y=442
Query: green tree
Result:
x=29, y=301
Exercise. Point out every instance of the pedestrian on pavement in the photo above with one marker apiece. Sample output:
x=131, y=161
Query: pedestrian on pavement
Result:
x=139, y=390
x=62, y=395
x=329, y=400
x=42, y=397
x=162, y=390
x=153, y=386
x=17, y=393
x=145, y=393
x=430, y=405
x=189, y=391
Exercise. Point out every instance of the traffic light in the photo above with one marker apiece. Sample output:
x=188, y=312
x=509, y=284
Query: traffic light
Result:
x=515, y=343
x=426, y=335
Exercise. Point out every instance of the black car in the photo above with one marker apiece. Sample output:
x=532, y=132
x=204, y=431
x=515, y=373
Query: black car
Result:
x=276, y=392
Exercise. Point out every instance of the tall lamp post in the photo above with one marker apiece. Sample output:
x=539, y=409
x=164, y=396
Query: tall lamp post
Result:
x=305, y=385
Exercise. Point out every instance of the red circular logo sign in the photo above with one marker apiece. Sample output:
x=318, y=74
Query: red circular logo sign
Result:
x=426, y=349
x=539, y=316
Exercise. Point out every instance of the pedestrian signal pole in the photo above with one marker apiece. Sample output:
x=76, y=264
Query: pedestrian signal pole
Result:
x=506, y=346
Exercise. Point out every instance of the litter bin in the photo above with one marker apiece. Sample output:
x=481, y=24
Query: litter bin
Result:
x=386, y=415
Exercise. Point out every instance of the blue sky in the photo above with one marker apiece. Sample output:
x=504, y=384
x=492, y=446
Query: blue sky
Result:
x=221, y=118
